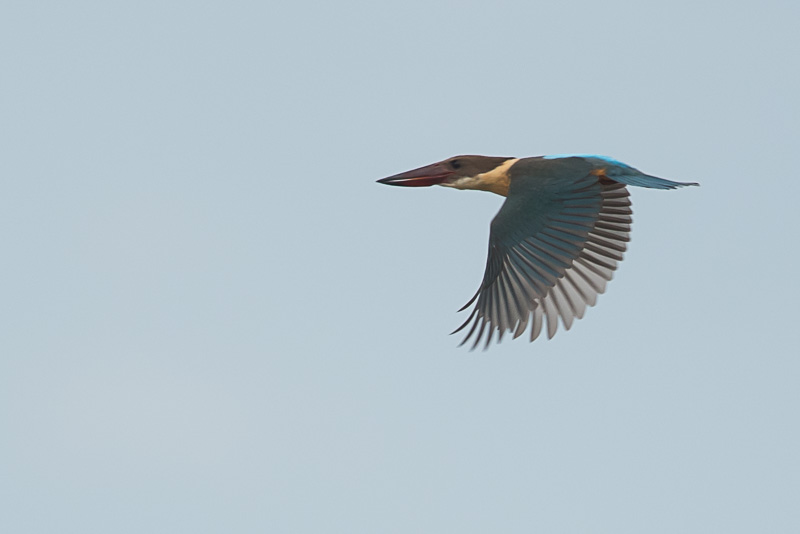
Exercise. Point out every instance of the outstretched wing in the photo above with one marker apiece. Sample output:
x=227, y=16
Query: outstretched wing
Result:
x=553, y=246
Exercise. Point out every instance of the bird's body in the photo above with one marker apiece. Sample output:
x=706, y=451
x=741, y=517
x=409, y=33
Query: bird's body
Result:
x=556, y=240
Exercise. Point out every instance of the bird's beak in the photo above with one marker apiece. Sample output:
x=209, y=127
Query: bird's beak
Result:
x=424, y=176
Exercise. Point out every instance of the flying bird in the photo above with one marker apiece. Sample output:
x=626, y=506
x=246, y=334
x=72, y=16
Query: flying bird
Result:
x=555, y=242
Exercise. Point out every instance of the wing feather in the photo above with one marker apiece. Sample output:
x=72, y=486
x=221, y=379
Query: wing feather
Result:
x=553, y=248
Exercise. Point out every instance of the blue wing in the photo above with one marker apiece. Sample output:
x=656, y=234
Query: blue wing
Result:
x=553, y=246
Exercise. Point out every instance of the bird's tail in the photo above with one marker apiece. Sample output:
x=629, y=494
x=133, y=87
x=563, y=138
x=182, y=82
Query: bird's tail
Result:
x=631, y=176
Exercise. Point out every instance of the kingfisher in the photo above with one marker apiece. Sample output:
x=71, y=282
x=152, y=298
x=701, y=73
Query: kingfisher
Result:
x=554, y=244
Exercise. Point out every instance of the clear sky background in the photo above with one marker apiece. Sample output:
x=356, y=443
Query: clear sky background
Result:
x=214, y=320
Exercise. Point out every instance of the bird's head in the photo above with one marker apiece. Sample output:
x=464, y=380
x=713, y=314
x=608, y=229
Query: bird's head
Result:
x=485, y=173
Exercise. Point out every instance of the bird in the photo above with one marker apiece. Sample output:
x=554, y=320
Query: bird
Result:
x=554, y=244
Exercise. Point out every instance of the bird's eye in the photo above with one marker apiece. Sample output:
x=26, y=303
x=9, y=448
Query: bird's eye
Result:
x=455, y=164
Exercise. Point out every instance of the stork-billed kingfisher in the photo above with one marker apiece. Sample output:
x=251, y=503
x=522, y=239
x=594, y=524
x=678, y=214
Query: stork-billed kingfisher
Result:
x=556, y=240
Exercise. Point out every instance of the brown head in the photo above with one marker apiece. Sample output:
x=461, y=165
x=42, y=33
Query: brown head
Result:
x=484, y=173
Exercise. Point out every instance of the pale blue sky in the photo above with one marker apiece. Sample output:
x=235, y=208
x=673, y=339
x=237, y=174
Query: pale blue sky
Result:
x=214, y=320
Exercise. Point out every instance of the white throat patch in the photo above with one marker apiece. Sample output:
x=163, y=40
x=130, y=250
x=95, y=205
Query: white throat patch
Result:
x=495, y=180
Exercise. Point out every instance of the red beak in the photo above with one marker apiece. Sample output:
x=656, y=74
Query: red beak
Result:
x=424, y=176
